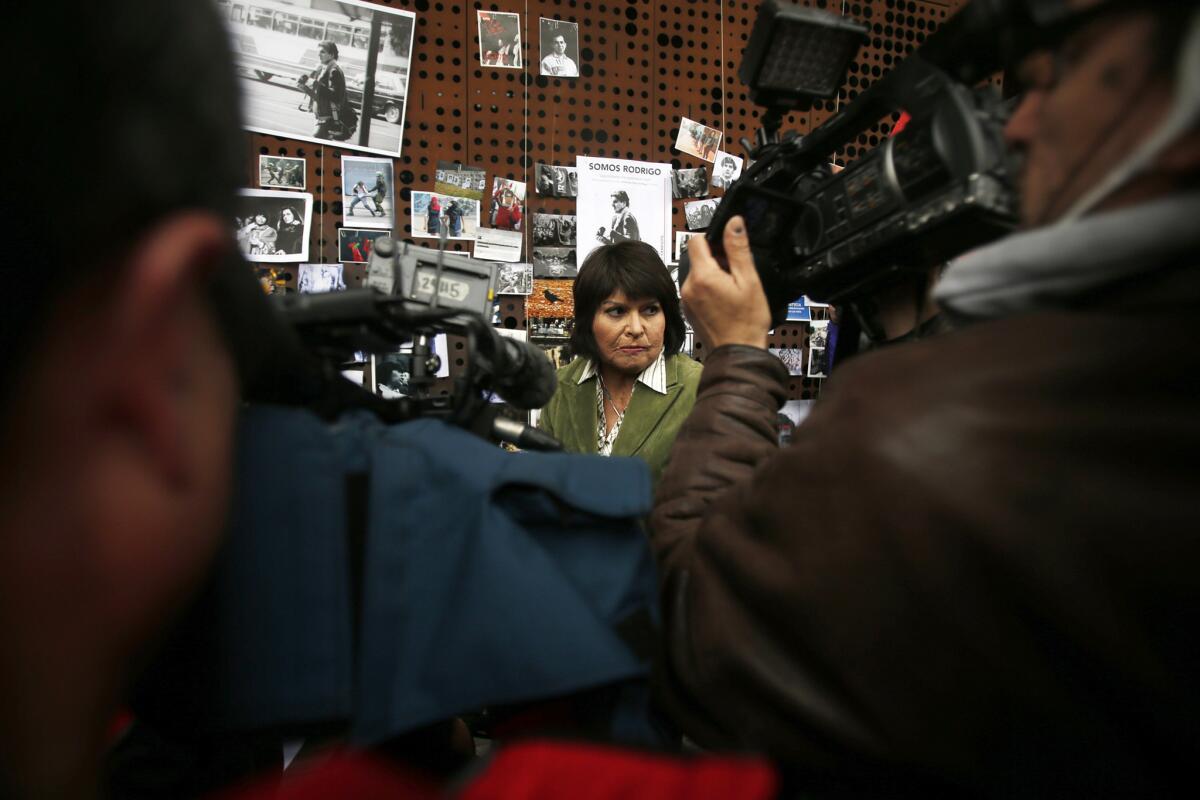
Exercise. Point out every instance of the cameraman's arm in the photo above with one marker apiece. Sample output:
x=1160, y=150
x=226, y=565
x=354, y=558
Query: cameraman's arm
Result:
x=732, y=426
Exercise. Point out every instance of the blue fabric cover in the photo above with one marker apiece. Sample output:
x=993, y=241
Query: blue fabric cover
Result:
x=488, y=578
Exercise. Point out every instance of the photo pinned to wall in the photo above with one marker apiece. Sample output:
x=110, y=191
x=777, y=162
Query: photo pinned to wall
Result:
x=698, y=140
x=319, y=278
x=681, y=243
x=274, y=279
x=550, y=310
x=623, y=201
x=455, y=179
x=792, y=358
x=699, y=213
x=514, y=279
x=554, y=230
x=559, y=48
x=281, y=172
x=354, y=244
x=431, y=211
x=554, y=262
x=492, y=244
x=818, y=338
x=393, y=371
x=555, y=181
x=689, y=183
x=726, y=169
x=499, y=39
x=273, y=225
x=368, y=192
x=508, y=204
x=303, y=71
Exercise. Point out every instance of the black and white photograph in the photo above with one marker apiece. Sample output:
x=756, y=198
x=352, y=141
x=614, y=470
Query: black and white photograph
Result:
x=689, y=183
x=559, y=48
x=554, y=230
x=816, y=362
x=792, y=358
x=317, y=278
x=393, y=371
x=698, y=140
x=354, y=244
x=623, y=201
x=550, y=327
x=368, y=192
x=681, y=243
x=508, y=204
x=281, y=172
x=430, y=212
x=699, y=214
x=790, y=417
x=818, y=333
x=303, y=70
x=499, y=39
x=554, y=262
x=555, y=181
x=460, y=181
x=514, y=279
x=273, y=225
x=726, y=169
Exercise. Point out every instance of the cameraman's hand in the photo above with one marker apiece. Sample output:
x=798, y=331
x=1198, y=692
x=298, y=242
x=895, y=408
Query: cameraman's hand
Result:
x=726, y=307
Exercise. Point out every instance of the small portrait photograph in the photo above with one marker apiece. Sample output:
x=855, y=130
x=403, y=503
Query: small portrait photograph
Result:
x=699, y=214
x=433, y=212
x=303, y=70
x=274, y=280
x=554, y=181
x=392, y=372
x=281, y=172
x=508, y=204
x=458, y=180
x=790, y=417
x=499, y=39
x=554, y=262
x=551, y=297
x=273, y=225
x=698, y=140
x=514, y=279
x=792, y=358
x=689, y=183
x=681, y=243
x=354, y=244
x=317, y=278
x=368, y=192
x=554, y=230
x=726, y=169
x=559, y=48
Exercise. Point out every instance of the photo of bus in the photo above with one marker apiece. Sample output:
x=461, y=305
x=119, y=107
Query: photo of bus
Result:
x=276, y=45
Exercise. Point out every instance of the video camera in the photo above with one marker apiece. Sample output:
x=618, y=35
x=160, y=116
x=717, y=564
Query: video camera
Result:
x=938, y=188
x=414, y=293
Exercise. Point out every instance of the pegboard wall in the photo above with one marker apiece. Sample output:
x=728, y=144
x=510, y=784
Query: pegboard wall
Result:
x=643, y=66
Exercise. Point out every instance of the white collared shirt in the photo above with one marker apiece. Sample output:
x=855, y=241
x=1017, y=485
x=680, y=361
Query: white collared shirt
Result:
x=653, y=377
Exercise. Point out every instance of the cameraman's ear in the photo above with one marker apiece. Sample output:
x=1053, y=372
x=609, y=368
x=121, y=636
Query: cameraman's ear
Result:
x=160, y=356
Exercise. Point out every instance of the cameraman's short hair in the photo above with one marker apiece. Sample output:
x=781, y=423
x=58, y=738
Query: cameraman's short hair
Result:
x=329, y=47
x=154, y=97
x=636, y=269
x=621, y=195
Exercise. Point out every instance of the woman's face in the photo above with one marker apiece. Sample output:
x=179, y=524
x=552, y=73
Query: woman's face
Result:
x=288, y=216
x=629, y=332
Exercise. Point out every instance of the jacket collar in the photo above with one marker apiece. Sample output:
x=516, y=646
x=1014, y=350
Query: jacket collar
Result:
x=645, y=412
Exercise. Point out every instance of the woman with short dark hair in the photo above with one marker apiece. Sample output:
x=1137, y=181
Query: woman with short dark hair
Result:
x=629, y=388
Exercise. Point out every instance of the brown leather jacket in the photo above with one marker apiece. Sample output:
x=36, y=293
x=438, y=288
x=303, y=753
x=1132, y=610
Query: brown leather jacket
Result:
x=978, y=559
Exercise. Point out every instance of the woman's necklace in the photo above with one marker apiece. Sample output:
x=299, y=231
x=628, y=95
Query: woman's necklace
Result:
x=612, y=401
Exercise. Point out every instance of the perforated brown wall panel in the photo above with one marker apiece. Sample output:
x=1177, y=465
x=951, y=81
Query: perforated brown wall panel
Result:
x=644, y=65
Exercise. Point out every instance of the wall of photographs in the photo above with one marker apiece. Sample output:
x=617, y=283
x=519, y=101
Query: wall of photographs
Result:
x=643, y=68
